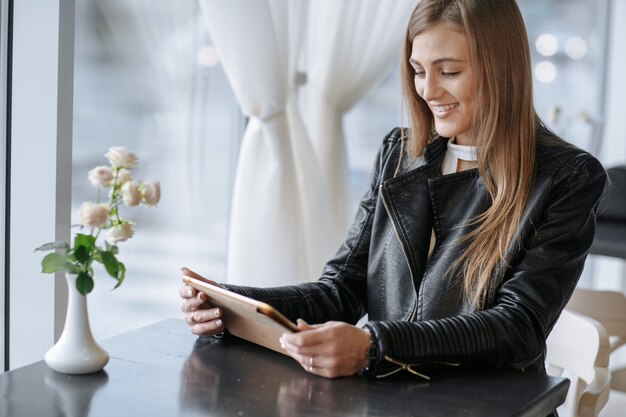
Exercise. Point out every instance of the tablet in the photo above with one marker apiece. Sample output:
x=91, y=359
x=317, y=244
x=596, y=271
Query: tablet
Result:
x=245, y=317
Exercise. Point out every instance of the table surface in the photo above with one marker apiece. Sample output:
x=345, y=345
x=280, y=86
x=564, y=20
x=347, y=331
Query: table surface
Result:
x=163, y=370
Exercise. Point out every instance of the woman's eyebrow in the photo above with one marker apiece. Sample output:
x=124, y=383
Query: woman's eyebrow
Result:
x=438, y=60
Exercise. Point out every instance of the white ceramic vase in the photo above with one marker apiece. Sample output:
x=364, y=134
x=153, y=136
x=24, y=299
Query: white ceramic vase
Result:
x=76, y=351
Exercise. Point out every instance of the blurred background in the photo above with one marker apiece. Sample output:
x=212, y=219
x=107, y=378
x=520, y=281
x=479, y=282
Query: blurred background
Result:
x=148, y=77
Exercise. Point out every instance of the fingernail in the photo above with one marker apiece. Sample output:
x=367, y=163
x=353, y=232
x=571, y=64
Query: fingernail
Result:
x=190, y=293
x=218, y=323
x=282, y=342
x=217, y=313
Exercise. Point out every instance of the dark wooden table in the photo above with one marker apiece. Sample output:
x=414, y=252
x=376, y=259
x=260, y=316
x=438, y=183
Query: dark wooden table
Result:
x=163, y=370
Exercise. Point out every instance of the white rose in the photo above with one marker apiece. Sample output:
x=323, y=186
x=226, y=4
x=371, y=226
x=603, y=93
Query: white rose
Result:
x=100, y=176
x=130, y=193
x=150, y=192
x=123, y=176
x=119, y=233
x=93, y=215
x=121, y=157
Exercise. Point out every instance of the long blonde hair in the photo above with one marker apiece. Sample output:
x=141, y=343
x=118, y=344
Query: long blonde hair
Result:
x=504, y=125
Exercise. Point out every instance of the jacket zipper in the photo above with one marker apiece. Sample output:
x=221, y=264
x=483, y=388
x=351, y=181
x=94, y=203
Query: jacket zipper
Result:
x=382, y=196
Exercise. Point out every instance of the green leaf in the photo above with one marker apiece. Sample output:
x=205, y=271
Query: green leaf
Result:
x=110, y=263
x=83, y=245
x=84, y=240
x=53, y=246
x=81, y=254
x=52, y=263
x=84, y=283
x=121, y=276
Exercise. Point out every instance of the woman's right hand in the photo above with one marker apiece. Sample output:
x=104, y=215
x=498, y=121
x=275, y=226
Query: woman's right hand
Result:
x=202, y=319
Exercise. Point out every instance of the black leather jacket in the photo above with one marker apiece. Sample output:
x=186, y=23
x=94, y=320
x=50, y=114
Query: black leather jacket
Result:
x=416, y=312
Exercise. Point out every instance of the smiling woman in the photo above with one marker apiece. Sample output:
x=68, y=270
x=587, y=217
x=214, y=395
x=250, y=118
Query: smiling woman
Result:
x=493, y=44
x=454, y=266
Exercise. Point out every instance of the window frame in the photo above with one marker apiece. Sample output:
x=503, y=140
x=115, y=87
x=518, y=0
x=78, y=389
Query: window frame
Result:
x=4, y=130
x=39, y=162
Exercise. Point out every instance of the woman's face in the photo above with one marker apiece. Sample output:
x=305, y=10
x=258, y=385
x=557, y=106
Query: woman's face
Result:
x=443, y=79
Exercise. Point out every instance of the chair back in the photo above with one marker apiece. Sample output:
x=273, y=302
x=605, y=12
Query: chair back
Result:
x=609, y=309
x=578, y=347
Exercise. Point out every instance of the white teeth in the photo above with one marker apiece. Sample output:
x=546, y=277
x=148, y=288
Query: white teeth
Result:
x=446, y=107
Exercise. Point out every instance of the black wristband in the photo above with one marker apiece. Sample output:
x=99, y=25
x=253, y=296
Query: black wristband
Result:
x=372, y=353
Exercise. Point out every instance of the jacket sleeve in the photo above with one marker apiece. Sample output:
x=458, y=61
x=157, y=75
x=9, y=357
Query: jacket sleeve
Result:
x=513, y=330
x=340, y=293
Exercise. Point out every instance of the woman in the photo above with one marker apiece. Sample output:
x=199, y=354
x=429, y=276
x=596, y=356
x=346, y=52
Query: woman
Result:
x=474, y=231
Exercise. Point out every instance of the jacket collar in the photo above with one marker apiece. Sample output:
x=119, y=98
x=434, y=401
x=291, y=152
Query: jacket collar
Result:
x=407, y=196
x=436, y=150
x=433, y=155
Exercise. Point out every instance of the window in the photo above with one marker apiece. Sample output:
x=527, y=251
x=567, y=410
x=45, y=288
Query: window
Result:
x=366, y=124
x=568, y=50
x=148, y=78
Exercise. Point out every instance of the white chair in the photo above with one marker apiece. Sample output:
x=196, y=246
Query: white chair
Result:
x=578, y=348
x=608, y=308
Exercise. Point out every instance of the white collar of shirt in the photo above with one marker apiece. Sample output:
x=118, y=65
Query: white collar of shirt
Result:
x=454, y=153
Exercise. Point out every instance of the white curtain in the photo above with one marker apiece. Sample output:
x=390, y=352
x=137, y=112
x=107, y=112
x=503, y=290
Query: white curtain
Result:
x=350, y=43
x=288, y=210
x=279, y=216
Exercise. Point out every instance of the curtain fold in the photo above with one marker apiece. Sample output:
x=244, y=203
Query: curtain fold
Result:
x=349, y=44
x=279, y=216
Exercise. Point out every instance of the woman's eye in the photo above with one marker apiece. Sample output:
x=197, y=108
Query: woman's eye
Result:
x=450, y=74
x=420, y=73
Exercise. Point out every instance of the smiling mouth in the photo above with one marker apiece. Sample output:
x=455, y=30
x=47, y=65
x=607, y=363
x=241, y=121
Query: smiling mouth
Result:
x=444, y=108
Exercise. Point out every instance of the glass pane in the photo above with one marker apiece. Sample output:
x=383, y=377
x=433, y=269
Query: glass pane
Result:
x=147, y=78
x=365, y=126
x=568, y=56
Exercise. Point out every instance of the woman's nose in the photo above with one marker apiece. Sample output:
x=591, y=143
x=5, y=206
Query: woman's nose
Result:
x=431, y=88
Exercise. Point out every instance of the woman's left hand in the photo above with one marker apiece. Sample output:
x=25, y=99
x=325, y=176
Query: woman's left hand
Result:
x=331, y=349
